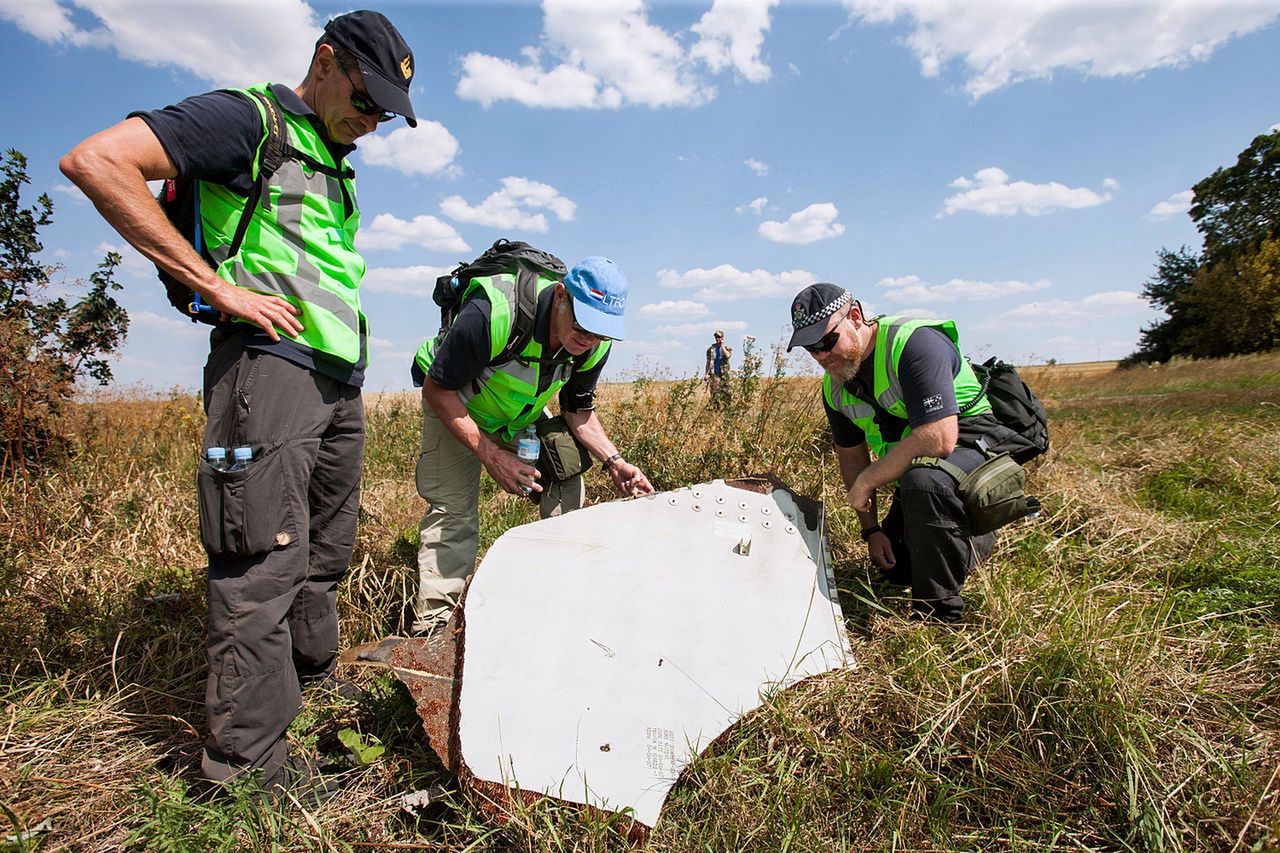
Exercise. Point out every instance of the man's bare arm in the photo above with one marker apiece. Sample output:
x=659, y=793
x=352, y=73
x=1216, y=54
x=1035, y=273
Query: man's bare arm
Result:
x=629, y=479
x=112, y=168
x=933, y=439
x=505, y=467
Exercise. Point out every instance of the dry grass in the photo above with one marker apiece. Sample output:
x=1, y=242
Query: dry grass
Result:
x=1114, y=687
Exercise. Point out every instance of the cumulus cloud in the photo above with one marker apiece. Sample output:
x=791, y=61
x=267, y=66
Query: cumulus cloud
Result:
x=227, y=42
x=1172, y=206
x=513, y=206
x=165, y=324
x=1001, y=42
x=427, y=149
x=706, y=328
x=388, y=231
x=675, y=308
x=1070, y=312
x=815, y=222
x=404, y=281
x=989, y=192
x=727, y=283
x=911, y=288
x=71, y=190
x=761, y=169
x=756, y=206
x=606, y=54
x=730, y=36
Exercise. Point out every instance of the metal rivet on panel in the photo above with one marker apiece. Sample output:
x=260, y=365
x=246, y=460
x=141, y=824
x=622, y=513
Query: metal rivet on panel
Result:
x=719, y=513
x=719, y=499
x=766, y=510
x=742, y=518
x=766, y=524
x=790, y=517
x=697, y=507
x=697, y=493
x=742, y=504
x=673, y=500
x=790, y=529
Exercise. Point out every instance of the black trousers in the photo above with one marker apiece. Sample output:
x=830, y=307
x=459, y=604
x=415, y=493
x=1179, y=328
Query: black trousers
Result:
x=932, y=544
x=279, y=534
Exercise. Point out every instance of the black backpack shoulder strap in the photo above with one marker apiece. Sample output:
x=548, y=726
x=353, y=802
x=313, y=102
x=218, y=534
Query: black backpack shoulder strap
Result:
x=526, y=313
x=272, y=154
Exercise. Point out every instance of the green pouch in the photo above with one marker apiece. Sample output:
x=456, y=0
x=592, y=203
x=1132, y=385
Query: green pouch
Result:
x=992, y=493
x=563, y=456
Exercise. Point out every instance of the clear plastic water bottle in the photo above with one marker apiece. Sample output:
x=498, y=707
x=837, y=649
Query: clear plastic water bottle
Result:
x=528, y=448
x=217, y=457
x=242, y=456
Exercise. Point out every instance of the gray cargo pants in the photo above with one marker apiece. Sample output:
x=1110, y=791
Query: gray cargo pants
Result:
x=929, y=531
x=279, y=536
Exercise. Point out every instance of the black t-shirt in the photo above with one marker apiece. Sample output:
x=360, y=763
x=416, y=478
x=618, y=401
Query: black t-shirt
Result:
x=464, y=353
x=928, y=368
x=214, y=137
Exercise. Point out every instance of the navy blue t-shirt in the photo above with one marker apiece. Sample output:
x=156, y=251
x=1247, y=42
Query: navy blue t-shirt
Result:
x=214, y=137
x=464, y=353
x=927, y=367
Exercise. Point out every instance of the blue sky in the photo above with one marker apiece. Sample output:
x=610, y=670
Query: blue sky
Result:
x=1012, y=165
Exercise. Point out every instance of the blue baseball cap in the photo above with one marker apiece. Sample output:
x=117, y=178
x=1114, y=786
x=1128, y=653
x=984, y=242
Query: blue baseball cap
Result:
x=599, y=291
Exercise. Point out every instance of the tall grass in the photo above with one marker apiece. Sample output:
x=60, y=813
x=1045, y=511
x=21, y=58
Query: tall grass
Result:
x=1114, y=686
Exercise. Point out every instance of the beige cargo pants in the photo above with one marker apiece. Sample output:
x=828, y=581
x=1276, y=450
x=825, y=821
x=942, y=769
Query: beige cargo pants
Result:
x=448, y=477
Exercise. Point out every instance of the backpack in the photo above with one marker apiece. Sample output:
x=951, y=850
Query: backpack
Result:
x=1014, y=405
x=179, y=198
x=505, y=256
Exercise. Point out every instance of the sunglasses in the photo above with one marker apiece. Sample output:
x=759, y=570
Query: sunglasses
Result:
x=829, y=340
x=364, y=105
x=582, y=331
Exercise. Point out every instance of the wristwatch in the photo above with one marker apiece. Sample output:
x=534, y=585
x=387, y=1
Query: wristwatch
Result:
x=611, y=461
x=868, y=532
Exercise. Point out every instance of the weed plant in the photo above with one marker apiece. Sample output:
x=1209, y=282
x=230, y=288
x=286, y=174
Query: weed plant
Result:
x=1114, y=686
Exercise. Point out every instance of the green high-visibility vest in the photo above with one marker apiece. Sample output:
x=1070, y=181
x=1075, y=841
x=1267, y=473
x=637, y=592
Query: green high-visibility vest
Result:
x=892, y=335
x=300, y=243
x=504, y=398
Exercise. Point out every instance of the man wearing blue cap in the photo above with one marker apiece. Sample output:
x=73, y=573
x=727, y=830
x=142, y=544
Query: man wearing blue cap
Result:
x=474, y=411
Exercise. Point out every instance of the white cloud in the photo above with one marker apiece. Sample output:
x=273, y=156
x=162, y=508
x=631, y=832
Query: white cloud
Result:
x=606, y=54
x=511, y=206
x=675, y=308
x=687, y=329
x=911, y=288
x=727, y=283
x=989, y=192
x=1067, y=312
x=165, y=324
x=1110, y=184
x=815, y=222
x=427, y=149
x=70, y=190
x=1172, y=206
x=1002, y=42
x=761, y=169
x=388, y=231
x=731, y=34
x=131, y=260
x=647, y=347
x=1273, y=128
x=380, y=343
x=227, y=42
x=756, y=206
x=406, y=281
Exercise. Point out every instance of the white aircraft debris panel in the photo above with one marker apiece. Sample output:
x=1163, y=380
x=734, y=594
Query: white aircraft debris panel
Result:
x=606, y=647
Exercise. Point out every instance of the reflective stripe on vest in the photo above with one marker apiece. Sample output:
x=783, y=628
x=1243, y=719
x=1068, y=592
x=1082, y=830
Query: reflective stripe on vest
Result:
x=300, y=245
x=504, y=397
x=892, y=334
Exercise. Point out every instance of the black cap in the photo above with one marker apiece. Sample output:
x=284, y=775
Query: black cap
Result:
x=386, y=62
x=810, y=311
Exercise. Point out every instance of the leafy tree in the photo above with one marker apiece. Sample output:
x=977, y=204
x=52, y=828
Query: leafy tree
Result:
x=1237, y=208
x=1224, y=300
x=46, y=343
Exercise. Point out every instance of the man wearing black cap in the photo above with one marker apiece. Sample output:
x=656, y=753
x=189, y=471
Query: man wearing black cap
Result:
x=895, y=387
x=275, y=263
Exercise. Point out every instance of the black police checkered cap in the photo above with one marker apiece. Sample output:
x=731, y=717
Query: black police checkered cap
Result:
x=810, y=310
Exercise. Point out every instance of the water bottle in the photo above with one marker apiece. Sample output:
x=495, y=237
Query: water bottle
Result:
x=242, y=456
x=528, y=448
x=217, y=457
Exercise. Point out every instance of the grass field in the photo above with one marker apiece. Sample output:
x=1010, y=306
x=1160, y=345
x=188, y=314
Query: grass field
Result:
x=1116, y=685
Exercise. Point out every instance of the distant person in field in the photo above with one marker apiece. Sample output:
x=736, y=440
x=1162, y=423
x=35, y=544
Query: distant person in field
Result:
x=286, y=363
x=893, y=388
x=717, y=364
x=474, y=411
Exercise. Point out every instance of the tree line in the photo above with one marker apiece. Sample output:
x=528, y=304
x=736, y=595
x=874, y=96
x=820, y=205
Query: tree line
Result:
x=1224, y=299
